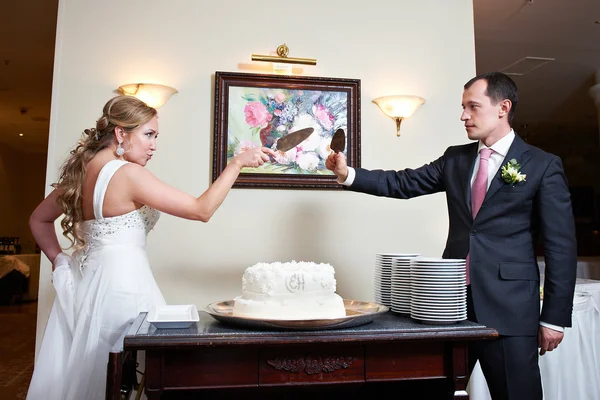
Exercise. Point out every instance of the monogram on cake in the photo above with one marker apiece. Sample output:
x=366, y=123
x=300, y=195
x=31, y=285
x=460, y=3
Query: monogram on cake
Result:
x=289, y=291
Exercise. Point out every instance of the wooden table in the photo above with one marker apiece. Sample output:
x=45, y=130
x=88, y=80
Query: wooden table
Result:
x=212, y=355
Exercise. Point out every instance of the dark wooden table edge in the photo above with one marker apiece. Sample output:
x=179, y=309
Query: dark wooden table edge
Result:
x=133, y=342
x=174, y=342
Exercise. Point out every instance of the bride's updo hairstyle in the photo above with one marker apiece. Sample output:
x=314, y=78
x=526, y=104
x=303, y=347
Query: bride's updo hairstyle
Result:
x=126, y=112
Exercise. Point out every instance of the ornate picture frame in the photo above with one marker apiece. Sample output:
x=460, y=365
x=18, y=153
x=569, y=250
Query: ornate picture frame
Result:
x=257, y=110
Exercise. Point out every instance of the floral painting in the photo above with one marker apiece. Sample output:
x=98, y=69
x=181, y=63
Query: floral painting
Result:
x=254, y=110
x=261, y=116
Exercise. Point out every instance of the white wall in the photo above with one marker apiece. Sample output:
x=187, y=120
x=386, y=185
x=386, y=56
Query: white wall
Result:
x=395, y=46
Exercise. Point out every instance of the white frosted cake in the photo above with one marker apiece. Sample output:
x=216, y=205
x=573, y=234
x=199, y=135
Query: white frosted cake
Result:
x=289, y=291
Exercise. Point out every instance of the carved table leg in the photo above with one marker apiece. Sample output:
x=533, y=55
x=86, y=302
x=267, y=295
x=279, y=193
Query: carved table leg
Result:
x=153, y=375
x=113, y=376
x=460, y=370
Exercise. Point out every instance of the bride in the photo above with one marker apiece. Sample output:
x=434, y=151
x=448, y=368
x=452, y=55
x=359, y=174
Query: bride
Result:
x=110, y=202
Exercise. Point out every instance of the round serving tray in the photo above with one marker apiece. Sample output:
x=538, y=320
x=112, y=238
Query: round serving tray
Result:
x=357, y=313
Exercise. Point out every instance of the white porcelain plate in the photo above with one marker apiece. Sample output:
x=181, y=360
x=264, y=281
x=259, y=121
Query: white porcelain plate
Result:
x=175, y=316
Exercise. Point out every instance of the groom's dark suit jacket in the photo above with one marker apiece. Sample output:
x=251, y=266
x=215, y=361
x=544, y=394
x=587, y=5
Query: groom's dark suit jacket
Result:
x=503, y=236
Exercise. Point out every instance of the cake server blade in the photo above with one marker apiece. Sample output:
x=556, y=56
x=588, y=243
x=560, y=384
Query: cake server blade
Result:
x=293, y=139
x=338, y=142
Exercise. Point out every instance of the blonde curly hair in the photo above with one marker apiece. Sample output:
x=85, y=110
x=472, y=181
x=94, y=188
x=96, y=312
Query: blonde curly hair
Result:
x=126, y=112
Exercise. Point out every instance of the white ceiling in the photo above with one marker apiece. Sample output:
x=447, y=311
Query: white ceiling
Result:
x=554, y=100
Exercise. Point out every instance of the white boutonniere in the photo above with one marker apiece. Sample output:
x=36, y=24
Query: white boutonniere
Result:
x=511, y=174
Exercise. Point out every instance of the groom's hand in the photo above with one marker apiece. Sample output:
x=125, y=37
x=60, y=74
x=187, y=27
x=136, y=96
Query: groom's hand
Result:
x=548, y=339
x=336, y=162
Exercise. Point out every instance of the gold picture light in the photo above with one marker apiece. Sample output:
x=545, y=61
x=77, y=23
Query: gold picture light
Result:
x=153, y=94
x=282, y=57
x=399, y=107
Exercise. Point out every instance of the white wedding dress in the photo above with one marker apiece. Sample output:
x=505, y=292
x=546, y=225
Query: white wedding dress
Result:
x=100, y=289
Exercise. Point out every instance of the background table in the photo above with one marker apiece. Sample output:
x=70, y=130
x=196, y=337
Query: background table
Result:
x=572, y=371
x=26, y=264
x=33, y=262
x=587, y=267
x=211, y=355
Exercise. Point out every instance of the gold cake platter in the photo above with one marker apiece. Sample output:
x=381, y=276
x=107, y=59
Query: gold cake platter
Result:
x=357, y=313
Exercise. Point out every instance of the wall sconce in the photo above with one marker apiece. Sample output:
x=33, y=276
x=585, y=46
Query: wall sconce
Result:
x=399, y=107
x=282, y=57
x=150, y=93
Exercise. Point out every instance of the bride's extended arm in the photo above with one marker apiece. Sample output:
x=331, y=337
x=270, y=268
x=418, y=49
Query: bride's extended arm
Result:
x=41, y=223
x=149, y=190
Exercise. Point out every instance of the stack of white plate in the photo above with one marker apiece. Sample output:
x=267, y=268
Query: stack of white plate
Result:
x=438, y=290
x=401, y=283
x=382, y=284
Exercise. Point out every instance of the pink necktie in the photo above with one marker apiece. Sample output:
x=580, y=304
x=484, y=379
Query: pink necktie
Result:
x=478, y=190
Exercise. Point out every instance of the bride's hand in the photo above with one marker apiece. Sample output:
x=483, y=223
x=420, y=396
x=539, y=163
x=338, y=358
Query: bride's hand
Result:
x=254, y=157
x=62, y=259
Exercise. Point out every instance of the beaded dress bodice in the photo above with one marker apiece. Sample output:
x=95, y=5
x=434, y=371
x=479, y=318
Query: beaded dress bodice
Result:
x=144, y=218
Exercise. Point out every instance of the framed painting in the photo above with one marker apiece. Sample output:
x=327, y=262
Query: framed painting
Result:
x=258, y=110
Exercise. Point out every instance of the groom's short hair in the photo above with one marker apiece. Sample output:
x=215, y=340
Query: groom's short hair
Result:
x=499, y=87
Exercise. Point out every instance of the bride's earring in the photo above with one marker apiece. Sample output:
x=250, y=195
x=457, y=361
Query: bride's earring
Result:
x=120, y=150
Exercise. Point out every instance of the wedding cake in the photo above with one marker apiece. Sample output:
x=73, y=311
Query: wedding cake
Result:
x=289, y=291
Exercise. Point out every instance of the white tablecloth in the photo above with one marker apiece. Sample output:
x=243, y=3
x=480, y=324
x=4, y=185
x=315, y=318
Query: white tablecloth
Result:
x=572, y=371
x=10, y=263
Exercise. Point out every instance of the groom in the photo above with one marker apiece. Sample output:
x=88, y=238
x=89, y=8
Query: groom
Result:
x=497, y=213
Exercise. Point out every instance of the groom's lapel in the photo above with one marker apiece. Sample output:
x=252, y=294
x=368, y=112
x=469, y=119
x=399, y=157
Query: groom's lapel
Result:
x=518, y=150
x=466, y=164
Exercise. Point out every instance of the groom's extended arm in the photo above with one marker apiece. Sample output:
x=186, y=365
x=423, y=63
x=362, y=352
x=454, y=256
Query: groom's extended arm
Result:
x=401, y=184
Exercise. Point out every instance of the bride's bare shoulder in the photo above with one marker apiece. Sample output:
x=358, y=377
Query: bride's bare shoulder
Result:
x=134, y=171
